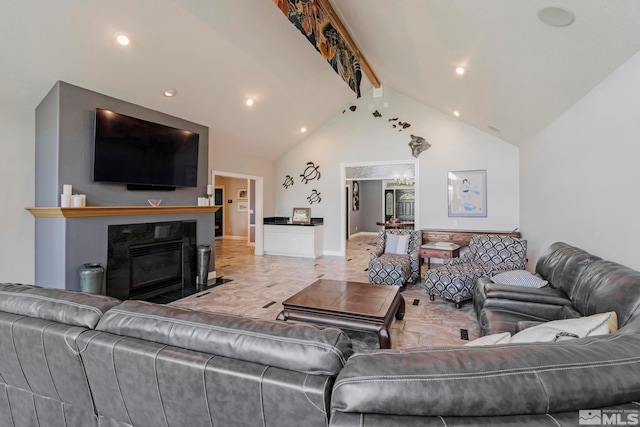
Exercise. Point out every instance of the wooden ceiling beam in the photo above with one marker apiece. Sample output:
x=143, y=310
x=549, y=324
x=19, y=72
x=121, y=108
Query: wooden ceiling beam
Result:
x=337, y=23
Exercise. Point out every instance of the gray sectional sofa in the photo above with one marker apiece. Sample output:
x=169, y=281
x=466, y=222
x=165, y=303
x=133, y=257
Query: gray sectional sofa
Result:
x=534, y=384
x=73, y=359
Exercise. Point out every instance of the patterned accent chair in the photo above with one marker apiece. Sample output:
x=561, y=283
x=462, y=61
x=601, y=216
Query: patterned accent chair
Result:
x=396, y=269
x=487, y=256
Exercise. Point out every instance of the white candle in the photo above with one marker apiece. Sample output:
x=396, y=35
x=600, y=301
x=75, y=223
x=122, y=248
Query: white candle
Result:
x=65, y=200
x=83, y=200
x=209, y=189
x=67, y=190
x=76, y=201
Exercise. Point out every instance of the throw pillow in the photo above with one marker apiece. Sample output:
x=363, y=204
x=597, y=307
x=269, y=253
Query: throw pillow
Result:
x=493, y=339
x=519, y=278
x=561, y=330
x=396, y=244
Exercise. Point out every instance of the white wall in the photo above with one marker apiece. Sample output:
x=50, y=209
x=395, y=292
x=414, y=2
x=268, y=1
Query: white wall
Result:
x=17, y=191
x=355, y=137
x=578, y=175
x=224, y=157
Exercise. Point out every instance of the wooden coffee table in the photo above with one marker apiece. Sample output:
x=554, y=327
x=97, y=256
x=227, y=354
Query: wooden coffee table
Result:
x=350, y=305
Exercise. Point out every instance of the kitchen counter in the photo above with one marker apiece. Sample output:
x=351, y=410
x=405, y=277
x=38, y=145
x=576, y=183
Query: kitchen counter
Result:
x=283, y=220
x=298, y=240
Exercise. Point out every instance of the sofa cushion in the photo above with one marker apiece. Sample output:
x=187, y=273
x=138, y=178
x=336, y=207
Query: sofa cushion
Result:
x=545, y=295
x=57, y=305
x=607, y=286
x=561, y=264
x=496, y=320
x=587, y=373
x=141, y=383
x=561, y=330
x=396, y=244
x=41, y=357
x=519, y=278
x=298, y=347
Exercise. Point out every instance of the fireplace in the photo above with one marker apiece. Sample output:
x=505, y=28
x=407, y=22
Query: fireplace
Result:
x=154, y=266
x=144, y=260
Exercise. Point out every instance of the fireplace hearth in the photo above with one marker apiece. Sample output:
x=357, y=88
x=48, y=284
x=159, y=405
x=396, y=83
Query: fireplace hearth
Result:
x=145, y=260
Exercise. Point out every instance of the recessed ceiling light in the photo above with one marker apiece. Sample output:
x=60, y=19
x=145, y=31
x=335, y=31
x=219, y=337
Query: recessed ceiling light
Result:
x=170, y=92
x=456, y=113
x=123, y=39
x=493, y=128
x=249, y=102
x=556, y=16
x=460, y=70
x=303, y=130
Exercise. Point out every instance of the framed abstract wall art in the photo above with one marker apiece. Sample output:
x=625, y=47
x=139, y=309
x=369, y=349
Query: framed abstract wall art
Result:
x=467, y=193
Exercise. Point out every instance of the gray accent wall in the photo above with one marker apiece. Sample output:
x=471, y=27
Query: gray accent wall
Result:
x=64, y=155
x=364, y=220
x=371, y=205
x=64, y=150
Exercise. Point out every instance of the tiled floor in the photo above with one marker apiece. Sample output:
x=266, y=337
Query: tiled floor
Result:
x=257, y=281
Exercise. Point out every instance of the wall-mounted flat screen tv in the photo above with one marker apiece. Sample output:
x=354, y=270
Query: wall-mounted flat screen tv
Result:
x=134, y=151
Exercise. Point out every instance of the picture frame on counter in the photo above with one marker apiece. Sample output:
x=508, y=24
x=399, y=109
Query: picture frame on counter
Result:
x=301, y=216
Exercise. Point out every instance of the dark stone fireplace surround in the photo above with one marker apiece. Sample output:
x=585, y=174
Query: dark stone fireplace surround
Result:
x=147, y=259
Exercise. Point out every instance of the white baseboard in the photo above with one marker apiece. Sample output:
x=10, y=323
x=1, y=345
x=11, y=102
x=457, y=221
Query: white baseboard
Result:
x=364, y=233
x=212, y=275
x=332, y=253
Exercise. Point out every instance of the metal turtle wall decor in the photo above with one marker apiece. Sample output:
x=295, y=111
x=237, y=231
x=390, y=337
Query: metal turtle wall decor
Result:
x=288, y=181
x=418, y=144
x=310, y=173
x=314, y=197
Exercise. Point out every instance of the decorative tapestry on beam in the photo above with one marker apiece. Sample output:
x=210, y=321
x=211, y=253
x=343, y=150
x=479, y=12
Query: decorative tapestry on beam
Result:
x=313, y=22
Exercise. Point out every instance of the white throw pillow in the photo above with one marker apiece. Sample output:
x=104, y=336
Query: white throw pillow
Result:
x=561, y=330
x=519, y=278
x=493, y=339
x=396, y=244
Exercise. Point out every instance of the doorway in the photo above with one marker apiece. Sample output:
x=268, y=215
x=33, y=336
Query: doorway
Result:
x=255, y=216
x=391, y=170
x=218, y=221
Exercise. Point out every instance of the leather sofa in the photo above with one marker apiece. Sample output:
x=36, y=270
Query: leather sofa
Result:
x=532, y=384
x=72, y=359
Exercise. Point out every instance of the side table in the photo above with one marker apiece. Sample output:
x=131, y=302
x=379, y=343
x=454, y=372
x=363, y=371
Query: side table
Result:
x=438, y=250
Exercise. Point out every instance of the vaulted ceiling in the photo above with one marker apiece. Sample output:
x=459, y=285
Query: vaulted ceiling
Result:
x=520, y=73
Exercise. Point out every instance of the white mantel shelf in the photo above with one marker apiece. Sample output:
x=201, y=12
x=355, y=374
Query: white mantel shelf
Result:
x=89, y=211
